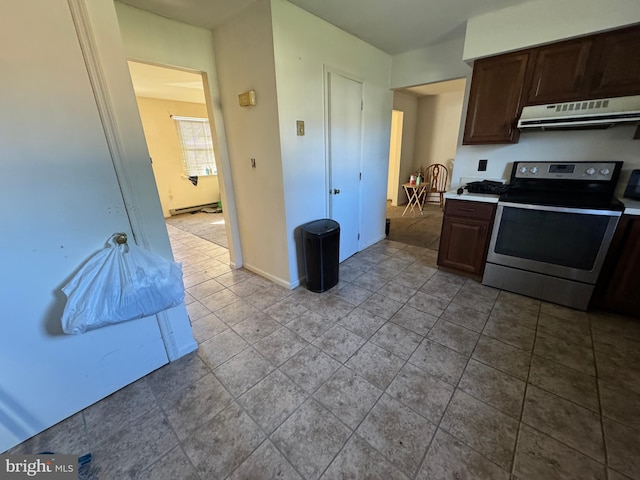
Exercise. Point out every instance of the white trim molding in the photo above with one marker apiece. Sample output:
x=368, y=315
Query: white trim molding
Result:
x=95, y=23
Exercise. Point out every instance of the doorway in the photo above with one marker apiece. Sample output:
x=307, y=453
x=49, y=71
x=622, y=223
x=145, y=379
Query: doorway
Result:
x=344, y=138
x=430, y=132
x=173, y=111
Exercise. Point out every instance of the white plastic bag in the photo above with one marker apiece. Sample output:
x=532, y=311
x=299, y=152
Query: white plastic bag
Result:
x=120, y=283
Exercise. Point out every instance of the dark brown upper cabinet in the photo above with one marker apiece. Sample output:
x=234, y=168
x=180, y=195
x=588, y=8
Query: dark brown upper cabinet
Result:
x=497, y=85
x=615, y=64
x=597, y=66
x=559, y=72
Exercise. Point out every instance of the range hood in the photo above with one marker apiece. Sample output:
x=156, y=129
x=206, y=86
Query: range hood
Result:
x=601, y=113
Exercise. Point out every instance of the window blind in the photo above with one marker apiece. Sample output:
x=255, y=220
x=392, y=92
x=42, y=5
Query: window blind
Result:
x=196, y=144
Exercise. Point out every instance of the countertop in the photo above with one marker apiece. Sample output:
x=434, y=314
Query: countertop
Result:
x=631, y=207
x=474, y=197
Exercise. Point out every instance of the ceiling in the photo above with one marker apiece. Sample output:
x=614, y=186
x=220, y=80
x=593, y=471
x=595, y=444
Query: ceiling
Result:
x=394, y=26
x=166, y=83
x=172, y=84
x=436, y=88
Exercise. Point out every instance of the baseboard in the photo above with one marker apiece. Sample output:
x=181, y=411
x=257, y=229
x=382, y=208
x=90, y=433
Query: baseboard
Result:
x=188, y=348
x=193, y=208
x=273, y=278
x=373, y=242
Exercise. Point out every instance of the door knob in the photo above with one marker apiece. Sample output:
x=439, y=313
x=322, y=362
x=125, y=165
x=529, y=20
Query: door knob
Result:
x=336, y=191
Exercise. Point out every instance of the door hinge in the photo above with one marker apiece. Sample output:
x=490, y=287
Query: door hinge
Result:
x=360, y=175
x=361, y=104
x=358, y=236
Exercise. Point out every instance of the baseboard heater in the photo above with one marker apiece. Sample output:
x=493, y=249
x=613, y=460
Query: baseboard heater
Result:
x=195, y=208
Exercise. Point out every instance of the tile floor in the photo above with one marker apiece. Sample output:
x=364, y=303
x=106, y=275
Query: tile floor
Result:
x=401, y=371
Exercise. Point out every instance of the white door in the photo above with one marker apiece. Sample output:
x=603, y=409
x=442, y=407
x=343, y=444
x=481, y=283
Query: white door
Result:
x=61, y=202
x=344, y=96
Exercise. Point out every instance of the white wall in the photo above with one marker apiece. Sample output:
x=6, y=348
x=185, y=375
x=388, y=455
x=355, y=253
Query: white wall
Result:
x=175, y=190
x=544, y=21
x=244, y=56
x=437, y=129
x=436, y=63
x=303, y=45
x=159, y=40
x=612, y=144
x=408, y=104
x=61, y=148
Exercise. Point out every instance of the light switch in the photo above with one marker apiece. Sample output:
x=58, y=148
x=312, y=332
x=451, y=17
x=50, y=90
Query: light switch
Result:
x=300, y=127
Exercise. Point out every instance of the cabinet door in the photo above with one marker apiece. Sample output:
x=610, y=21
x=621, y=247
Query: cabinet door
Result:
x=621, y=283
x=559, y=72
x=463, y=244
x=615, y=69
x=495, y=99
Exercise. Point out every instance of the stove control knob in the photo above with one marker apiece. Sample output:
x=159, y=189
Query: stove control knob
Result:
x=590, y=171
x=534, y=170
x=523, y=170
x=604, y=171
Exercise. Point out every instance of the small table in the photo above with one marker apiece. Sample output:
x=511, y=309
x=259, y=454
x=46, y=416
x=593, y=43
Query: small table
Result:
x=416, y=195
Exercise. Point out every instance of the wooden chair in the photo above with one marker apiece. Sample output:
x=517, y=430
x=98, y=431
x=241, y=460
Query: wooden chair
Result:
x=436, y=177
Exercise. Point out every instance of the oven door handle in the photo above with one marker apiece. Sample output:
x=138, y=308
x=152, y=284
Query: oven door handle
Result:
x=548, y=208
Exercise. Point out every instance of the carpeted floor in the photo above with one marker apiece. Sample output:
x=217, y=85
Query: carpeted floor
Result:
x=412, y=229
x=209, y=226
x=415, y=229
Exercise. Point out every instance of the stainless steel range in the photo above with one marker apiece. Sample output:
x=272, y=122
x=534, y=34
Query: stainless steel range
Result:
x=552, y=230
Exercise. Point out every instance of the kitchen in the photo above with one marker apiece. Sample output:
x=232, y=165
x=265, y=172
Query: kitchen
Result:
x=618, y=140
x=585, y=83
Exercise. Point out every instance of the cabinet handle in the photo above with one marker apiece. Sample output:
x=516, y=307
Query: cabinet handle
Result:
x=467, y=209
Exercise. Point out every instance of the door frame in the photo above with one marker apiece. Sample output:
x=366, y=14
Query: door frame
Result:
x=326, y=71
x=125, y=140
x=236, y=262
x=395, y=157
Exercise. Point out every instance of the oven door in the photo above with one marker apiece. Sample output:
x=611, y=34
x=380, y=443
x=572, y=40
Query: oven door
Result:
x=569, y=243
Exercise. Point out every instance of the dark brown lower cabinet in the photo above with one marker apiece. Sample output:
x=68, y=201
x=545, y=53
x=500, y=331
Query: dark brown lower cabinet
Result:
x=464, y=240
x=618, y=288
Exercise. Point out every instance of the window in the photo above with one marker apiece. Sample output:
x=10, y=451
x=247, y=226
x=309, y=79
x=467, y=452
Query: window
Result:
x=198, y=158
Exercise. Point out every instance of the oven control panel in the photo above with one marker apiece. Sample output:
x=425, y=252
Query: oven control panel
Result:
x=590, y=171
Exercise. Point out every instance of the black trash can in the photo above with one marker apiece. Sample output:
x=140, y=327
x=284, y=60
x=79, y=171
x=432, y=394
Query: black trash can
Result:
x=321, y=249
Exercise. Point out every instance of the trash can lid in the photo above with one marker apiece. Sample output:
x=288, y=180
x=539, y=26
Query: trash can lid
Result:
x=320, y=227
